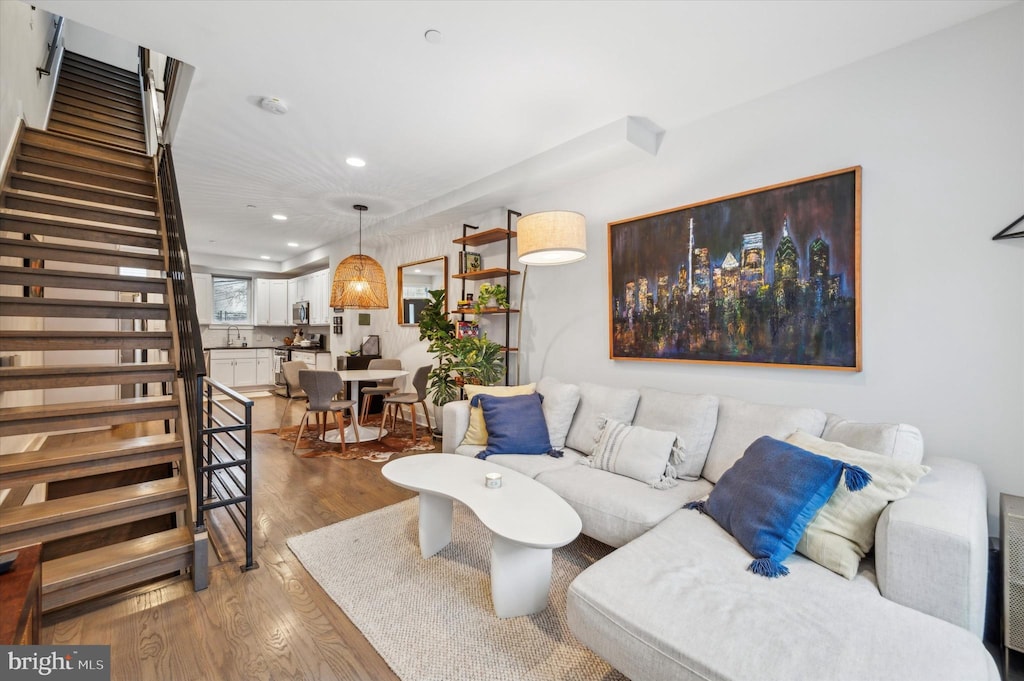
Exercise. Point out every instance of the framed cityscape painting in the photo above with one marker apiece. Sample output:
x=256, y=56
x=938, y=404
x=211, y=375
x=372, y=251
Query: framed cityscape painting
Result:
x=766, y=277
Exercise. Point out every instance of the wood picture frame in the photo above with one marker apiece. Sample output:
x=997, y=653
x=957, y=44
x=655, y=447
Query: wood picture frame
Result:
x=767, y=277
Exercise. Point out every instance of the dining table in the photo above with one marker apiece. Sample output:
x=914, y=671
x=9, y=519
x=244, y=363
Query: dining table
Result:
x=354, y=377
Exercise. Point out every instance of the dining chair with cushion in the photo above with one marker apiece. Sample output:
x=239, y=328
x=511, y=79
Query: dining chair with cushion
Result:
x=290, y=371
x=321, y=387
x=393, y=402
x=384, y=388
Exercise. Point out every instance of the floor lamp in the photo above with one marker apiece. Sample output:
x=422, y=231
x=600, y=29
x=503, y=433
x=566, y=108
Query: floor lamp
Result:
x=554, y=237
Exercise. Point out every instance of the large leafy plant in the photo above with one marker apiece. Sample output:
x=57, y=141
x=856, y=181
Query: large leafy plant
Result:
x=459, y=360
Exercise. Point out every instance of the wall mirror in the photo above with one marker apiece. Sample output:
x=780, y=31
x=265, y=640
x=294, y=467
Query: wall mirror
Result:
x=415, y=280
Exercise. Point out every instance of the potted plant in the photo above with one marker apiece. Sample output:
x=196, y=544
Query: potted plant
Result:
x=459, y=360
x=488, y=292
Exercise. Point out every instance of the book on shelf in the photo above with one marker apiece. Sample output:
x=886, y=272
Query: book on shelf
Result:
x=467, y=330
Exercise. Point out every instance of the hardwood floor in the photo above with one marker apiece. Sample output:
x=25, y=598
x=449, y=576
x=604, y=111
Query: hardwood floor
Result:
x=274, y=622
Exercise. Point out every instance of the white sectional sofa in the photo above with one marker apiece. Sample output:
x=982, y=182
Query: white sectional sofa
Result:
x=676, y=600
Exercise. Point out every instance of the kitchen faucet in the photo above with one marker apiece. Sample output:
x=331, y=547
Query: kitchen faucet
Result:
x=238, y=334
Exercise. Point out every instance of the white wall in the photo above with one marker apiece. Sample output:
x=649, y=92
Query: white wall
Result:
x=938, y=126
x=24, y=33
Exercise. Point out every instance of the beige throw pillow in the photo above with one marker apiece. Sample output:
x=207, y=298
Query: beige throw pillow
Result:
x=476, y=434
x=843, y=531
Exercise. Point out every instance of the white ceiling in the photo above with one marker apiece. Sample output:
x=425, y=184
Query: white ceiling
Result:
x=462, y=125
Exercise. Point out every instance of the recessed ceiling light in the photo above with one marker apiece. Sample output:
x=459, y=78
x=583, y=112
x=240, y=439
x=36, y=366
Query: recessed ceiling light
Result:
x=417, y=271
x=278, y=216
x=264, y=257
x=355, y=162
x=433, y=36
x=293, y=244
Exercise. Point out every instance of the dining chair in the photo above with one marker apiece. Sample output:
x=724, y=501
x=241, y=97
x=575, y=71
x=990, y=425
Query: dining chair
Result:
x=384, y=388
x=392, y=402
x=290, y=371
x=321, y=387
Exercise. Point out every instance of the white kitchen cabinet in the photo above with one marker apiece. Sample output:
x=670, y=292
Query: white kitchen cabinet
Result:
x=238, y=368
x=202, y=286
x=319, y=289
x=264, y=367
x=321, y=361
x=272, y=308
x=293, y=294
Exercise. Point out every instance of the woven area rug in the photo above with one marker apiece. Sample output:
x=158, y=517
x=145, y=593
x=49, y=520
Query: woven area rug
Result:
x=432, y=620
x=399, y=440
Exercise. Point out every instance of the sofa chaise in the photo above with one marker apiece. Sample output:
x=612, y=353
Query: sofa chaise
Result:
x=676, y=599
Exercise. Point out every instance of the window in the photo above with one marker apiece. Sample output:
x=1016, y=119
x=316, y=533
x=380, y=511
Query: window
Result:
x=231, y=297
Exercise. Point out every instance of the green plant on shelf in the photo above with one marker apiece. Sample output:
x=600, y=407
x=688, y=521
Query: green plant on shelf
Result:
x=491, y=292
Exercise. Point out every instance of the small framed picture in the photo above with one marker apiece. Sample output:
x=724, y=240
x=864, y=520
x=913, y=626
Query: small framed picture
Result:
x=471, y=262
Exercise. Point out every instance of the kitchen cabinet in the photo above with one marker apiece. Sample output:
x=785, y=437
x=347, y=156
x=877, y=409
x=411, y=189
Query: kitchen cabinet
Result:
x=321, y=361
x=235, y=368
x=319, y=289
x=264, y=367
x=272, y=307
x=314, y=288
x=202, y=286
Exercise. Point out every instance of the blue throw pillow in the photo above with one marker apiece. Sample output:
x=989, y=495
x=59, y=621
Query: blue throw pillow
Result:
x=767, y=499
x=515, y=425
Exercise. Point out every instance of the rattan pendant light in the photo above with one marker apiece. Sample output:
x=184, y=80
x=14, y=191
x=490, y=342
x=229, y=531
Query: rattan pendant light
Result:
x=359, y=279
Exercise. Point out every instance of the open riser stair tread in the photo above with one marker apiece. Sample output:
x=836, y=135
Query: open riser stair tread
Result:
x=77, y=415
x=126, y=129
x=86, y=133
x=74, y=515
x=76, y=108
x=99, y=281
x=18, y=216
x=85, y=340
x=86, y=164
x=75, y=102
x=128, y=140
x=82, y=309
x=72, y=208
x=55, y=186
x=92, y=573
x=20, y=248
x=69, y=376
x=115, y=181
x=124, y=88
x=85, y=149
x=64, y=463
x=107, y=98
x=77, y=74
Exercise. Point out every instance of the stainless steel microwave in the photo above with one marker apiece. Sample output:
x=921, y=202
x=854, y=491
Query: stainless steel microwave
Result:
x=300, y=312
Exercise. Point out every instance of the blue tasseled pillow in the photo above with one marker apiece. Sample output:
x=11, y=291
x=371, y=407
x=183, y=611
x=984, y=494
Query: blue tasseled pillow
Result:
x=515, y=425
x=767, y=499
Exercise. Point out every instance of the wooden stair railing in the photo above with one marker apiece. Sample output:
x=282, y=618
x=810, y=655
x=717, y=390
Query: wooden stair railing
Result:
x=78, y=203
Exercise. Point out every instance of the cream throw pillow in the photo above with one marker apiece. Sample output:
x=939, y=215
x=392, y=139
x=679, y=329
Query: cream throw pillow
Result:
x=843, y=531
x=476, y=434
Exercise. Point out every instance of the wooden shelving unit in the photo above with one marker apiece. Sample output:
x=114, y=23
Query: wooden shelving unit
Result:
x=489, y=273
x=489, y=236
x=481, y=238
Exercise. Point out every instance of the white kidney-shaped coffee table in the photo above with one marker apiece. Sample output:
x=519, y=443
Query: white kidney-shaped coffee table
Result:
x=526, y=519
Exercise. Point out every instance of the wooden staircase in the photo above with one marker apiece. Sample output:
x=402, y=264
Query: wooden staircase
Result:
x=98, y=102
x=78, y=202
